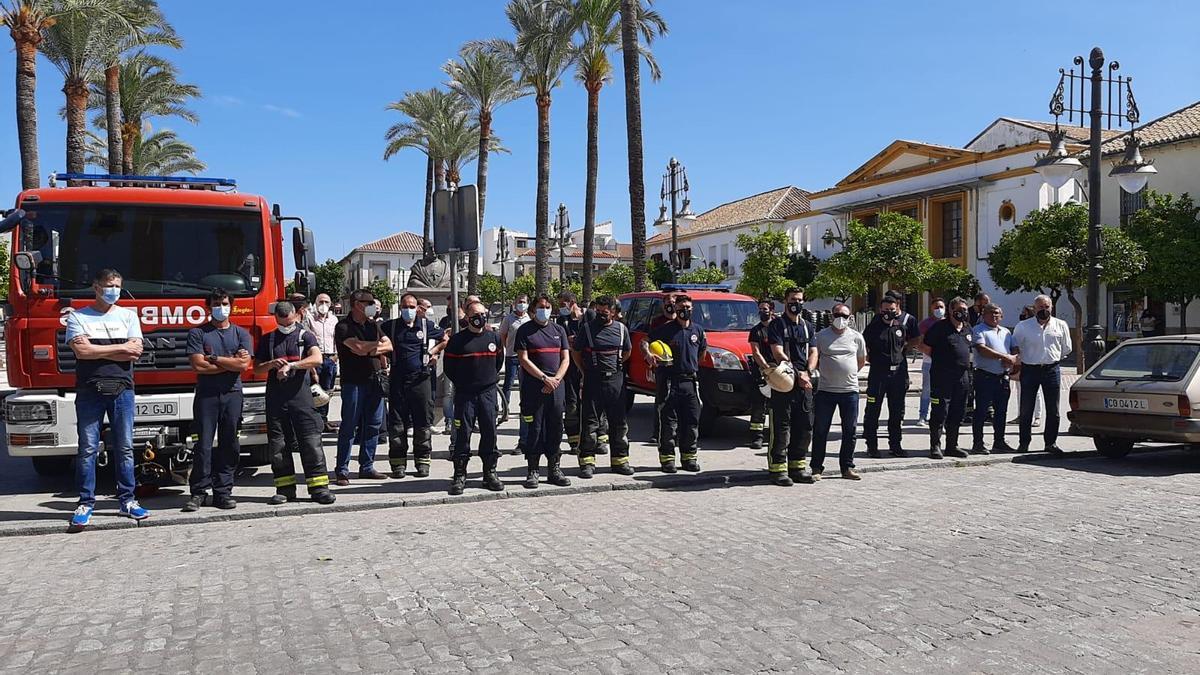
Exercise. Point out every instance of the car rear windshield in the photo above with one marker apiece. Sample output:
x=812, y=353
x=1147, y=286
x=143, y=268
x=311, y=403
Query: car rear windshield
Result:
x=718, y=315
x=1152, y=362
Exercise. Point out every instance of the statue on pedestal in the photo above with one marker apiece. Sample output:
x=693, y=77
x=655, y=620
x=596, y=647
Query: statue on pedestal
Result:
x=430, y=272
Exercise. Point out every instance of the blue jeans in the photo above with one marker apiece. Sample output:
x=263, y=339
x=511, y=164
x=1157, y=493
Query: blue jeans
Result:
x=90, y=409
x=362, y=406
x=824, y=404
x=925, y=396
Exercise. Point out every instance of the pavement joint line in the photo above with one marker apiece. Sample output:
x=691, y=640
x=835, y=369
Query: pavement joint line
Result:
x=726, y=477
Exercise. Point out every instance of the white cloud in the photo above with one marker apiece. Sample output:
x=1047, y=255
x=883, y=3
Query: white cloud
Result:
x=286, y=112
x=226, y=100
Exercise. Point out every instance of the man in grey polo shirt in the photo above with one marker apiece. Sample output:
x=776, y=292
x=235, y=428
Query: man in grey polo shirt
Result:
x=993, y=362
x=840, y=353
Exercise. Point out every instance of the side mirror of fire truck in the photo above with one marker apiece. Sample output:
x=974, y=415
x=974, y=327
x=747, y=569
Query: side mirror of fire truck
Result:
x=27, y=261
x=306, y=283
x=11, y=220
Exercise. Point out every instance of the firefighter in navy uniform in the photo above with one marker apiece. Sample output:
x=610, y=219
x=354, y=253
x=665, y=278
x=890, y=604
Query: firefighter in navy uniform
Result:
x=287, y=356
x=570, y=314
x=543, y=353
x=410, y=400
x=948, y=343
x=601, y=348
x=790, y=337
x=887, y=336
x=473, y=361
x=679, y=423
x=760, y=347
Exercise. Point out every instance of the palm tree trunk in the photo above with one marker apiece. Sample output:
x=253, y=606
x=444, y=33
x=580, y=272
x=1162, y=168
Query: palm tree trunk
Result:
x=633, y=132
x=589, y=208
x=27, y=107
x=481, y=169
x=130, y=131
x=542, y=218
x=77, y=96
x=439, y=174
x=112, y=110
x=1077, y=332
x=429, y=203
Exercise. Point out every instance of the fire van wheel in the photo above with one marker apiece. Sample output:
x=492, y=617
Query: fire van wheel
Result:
x=1112, y=448
x=52, y=466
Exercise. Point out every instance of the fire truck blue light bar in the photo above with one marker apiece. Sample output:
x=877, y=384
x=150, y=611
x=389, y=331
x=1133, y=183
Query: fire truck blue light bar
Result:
x=174, y=180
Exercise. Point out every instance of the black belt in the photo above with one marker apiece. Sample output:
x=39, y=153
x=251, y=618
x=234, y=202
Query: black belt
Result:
x=1040, y=365
x=603, y=373
x=329, y=354
x=980, y=371
x=691, y=377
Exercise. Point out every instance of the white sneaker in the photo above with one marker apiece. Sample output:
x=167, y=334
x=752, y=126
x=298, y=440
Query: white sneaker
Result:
x=922, y=422
x=1037, y=421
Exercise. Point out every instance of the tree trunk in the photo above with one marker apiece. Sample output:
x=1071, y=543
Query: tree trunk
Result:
x=542, y=217
x=1183, y=305
x=589, y=209
x=1077, y=332
x=27, y=43
x=130, y=131
x=112, y=110
x=77, y=97
x=633, y=132
x=439, y=175
x=481, y=169
x=428, y=203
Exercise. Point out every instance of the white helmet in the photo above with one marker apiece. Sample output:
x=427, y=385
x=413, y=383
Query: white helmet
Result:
x=320, y=396
x=781, y=378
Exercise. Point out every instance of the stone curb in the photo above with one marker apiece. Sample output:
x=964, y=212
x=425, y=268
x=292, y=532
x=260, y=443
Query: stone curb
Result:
x=726, y=477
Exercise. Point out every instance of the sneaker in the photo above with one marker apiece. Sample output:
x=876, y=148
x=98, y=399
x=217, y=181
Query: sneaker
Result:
x=1054, y=450
x=371, y=474
x=922, y=422
x=816, y=475
x=132, y=509
x=1037, y=421
x=194, y=503
x=82, y=517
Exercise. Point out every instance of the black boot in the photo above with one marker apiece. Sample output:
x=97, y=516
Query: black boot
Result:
x=531, y=477
x=490, y=480
x=458, y=482
x=756, y=442
x=282, y=495
x=423, y=469
x=556, y=476
x=322, y=496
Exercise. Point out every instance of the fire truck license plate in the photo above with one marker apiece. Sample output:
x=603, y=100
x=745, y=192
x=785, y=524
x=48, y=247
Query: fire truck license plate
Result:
x=165, y=409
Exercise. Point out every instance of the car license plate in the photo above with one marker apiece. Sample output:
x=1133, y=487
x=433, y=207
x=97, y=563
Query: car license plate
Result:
x=159, y=409
x=1126, y=404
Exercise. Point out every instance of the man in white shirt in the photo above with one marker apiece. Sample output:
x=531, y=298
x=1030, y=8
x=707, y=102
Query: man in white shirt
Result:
x=840, y=353
x=1041, y=341
x=322, y=324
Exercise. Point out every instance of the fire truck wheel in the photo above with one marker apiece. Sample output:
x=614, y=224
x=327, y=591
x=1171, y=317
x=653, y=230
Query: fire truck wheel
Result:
x=52, y=466
x=260, y=455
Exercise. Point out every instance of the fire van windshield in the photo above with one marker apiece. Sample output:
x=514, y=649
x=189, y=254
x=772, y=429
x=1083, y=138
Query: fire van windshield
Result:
x=160, y=252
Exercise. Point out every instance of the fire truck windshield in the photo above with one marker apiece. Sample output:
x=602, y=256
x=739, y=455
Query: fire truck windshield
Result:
x=160, y=251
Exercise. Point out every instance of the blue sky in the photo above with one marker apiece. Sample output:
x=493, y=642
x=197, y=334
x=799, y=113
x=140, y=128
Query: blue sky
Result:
x=755, y=94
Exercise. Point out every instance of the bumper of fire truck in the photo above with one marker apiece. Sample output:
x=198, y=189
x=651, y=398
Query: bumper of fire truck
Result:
x=43, y=423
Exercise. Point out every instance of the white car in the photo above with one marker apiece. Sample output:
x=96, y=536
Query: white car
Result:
x=1147, y=389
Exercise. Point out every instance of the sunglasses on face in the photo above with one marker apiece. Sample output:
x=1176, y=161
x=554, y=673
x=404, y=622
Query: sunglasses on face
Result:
x=841, y=316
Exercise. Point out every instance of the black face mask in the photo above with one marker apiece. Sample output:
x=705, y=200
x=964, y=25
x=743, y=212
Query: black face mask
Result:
x=960, y=316
x=478, y=320
x=795, y=307
x=683, y=313
x=764, y=316
x=889, y=315
x=603, y=317
x=1043, y=314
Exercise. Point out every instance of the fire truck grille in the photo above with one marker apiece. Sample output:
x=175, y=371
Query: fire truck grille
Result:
x=164, y=349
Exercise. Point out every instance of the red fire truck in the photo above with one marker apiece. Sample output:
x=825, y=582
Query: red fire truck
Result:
x=173, y=239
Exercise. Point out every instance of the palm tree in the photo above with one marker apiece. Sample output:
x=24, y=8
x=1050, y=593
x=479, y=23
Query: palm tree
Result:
x=159, y=154
x=148, y=86
x=600, y=33
x=631, y=10
x=421, y=108
x=27, y=21
x=541, y=53
x=487, y=82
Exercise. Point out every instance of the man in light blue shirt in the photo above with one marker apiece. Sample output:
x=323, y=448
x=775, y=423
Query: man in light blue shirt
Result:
x=993, y=361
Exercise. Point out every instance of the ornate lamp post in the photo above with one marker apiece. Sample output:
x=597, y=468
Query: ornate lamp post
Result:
x=675, y=185
x=1057, y=166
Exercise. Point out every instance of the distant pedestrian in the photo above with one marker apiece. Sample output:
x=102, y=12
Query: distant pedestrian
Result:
x=949, y=344
x=840, y=353
x=937, y=312
x=994, y=362
x=975, y=312
x=1042, y=342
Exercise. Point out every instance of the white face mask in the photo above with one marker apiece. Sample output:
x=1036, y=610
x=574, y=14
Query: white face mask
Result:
x=371, y=311
x=288, y=330
x=939, y=313
x=323, y=308
x=840, y=322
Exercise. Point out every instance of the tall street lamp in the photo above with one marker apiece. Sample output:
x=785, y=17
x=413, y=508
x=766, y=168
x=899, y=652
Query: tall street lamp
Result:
x=1057, y=166
x=675, y=185
x=562, y=236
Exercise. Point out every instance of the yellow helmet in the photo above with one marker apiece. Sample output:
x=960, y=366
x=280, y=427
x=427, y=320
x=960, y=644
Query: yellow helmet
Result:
x=661, y=351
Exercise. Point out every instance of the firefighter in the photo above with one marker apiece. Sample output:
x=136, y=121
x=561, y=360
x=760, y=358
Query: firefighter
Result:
x=759, y=348
x=218, y=351
x=948, y=343
x=601, y=348
x=473, y=361
x=570, y=315
x=410, y=400
x=888, y=335
x=544, y=355
x=287, y=355
x=790, y=337
x=679, y=421
x=660, y=386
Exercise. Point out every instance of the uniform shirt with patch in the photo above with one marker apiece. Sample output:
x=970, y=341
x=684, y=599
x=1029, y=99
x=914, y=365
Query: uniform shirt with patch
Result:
x=951, y=347
x=410, y=345
x=355, y=369
x=686, y=346
x=600, y=346
x=758, y=336
x=116, y=326
x=544, y=344
x=210, y=340
x=794, y=337
x=886, y=340
x=473, y=360
x=292, y=347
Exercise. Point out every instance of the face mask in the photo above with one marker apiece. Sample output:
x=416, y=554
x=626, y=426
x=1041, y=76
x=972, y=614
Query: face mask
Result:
x=288, y=330
x=408, y=314
x=477, y=320
x=939, y=313
x=111, y=294
x=840, y=322
x=1043, y=314
x=960, y=316
x=683, y=313
x=371, y=311
x=522, y=306
x=669, y=311
x=764, y=316
x=323, y=308
x=795, y=307
x=220, y=312
x=603, y=317
x=564, y=311
x=542, y=314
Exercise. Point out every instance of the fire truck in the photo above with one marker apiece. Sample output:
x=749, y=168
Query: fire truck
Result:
x=173, y=239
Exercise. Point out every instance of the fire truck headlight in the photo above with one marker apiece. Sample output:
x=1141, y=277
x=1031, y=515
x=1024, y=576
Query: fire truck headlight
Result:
x=29, y=412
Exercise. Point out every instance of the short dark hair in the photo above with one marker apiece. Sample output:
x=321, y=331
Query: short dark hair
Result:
x=937, y=299
x=105, y=275
x=216, y=297
x=682, y=297
x=361, y=295
x=542, y=297
x=888, y=300
x=895, y=295
x=284, y=308
x=604, y=301
x=959, y=300
x=410, y=295
x=299, y=300
x=568, y=296
x=767, y=301
x=980, y=295
x=793, y=289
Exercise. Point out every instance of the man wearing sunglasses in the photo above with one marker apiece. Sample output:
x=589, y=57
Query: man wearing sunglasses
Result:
x=840, y=353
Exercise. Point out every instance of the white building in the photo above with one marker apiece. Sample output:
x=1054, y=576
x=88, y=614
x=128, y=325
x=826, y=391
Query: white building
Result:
x=390, y=259
x=708, y=241
x=521, y=252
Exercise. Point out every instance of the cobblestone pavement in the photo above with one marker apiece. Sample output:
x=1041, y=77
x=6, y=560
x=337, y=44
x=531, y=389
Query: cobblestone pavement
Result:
x=1059, y=567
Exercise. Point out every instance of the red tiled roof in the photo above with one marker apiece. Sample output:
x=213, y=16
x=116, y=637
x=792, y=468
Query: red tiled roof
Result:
x=1181, y=125
x=778, y=204
x=401, y=242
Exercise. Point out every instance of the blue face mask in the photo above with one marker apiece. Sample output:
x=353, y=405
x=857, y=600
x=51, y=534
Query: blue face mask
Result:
x=522, y=306
x=220, y=312
x=542, y=314
x=111, y=294
x=409, y=314
x=564, y=311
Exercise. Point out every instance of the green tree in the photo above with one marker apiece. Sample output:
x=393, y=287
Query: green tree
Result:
x=383, y=293
x=331, y=279
x=490, y=290
x=616, y=281
x=703, y=275
x=525, y=285
x=4, y=271
x=420, y=107
x=1168, y=229
x=836, y=279
x=657, y=272
x=1049, y=250
x=766, y=263
x=802, y=268
x=159, y=154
